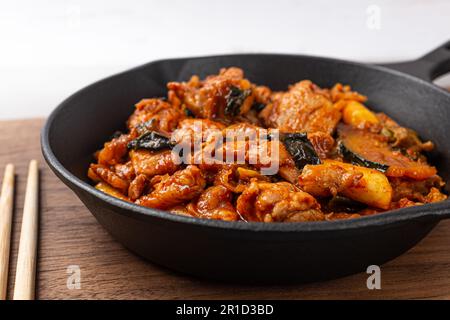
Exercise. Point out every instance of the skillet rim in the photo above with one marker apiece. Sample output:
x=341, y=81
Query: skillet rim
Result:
x=435, y=211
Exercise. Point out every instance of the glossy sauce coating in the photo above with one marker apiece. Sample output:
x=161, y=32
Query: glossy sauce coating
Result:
x=335, y=158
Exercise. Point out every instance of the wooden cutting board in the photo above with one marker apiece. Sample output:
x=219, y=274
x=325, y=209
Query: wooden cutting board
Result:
x=69, y=235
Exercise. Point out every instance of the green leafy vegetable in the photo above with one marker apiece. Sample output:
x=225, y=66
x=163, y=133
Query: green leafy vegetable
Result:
x=301, y=149
x=234, y=99
x=258, y=106
x=343, y=204
x=358, y=160
x=150, y=140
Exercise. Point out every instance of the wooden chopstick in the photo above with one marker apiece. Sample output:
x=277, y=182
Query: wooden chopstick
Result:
x=24, y=288
x=6, y=210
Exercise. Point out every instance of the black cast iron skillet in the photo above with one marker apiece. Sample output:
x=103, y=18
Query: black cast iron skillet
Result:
x=255, y=252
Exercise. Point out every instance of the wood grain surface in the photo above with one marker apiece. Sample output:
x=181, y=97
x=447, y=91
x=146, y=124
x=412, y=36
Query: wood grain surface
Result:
x=70, y=236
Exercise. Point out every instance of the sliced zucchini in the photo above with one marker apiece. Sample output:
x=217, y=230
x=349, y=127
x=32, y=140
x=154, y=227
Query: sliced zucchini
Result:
x=362, y=148
x=358, y=160
x=371, y=150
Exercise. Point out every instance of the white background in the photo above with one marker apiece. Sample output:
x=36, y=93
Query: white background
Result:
x=49, y=49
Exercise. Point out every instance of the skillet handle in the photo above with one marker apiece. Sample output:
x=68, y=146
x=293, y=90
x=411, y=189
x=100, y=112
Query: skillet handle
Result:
x=428, y=67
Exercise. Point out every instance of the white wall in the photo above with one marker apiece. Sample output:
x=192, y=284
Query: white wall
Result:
x=49, y=49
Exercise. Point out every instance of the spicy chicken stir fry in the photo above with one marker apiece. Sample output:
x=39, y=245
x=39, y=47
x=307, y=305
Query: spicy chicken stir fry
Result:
x=334, y=158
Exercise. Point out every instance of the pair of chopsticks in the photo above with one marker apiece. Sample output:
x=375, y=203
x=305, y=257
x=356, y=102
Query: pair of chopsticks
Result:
x=24, y=288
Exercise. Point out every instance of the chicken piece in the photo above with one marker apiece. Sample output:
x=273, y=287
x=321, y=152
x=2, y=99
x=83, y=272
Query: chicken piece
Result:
x=328, y=180
x=403, y=138
x=341, y=92
x=404, y=203
x=365, y=185
x=106, y=188
x=262, y=94
x=277, y=202
x=137, y=187
x=322, y=142
x=195, y=141
x=340, y=216
x=246, y=144
x=414, y=190
x=153, y=163
x=435, y=195
x=114, y=151
x=303, y=108
x=251, y=117
x=191, y=130
x=169, y=191
x=125, y=171
x=262, y=150
x=214, y=203
x=219, y=96
x=156, y=115
x=98, y=172
x=212, y=152
x=236, y=178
